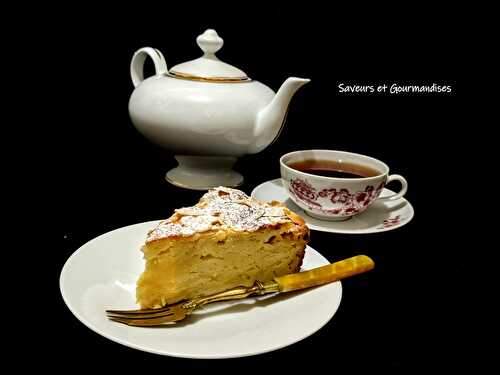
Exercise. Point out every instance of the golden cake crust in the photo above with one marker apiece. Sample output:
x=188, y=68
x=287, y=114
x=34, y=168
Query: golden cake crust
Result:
x=224, y=209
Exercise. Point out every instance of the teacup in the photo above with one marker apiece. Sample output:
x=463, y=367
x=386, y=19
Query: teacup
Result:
x=336, y=198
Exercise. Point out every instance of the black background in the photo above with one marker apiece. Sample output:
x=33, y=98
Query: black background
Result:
x=408, y=312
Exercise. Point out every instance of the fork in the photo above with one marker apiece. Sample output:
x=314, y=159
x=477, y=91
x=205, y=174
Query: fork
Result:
x=170, y=314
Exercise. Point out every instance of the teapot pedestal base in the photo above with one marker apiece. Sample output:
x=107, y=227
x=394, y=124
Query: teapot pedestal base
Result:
x=204, y=172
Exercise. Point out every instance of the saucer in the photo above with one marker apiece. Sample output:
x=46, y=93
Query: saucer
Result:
x=379, y=217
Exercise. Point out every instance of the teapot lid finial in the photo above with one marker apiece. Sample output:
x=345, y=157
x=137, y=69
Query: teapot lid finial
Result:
x=209, y=67
x=210, y=42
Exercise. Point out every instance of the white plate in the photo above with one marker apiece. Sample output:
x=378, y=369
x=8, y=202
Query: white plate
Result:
x=102, y=273
x=379, y=217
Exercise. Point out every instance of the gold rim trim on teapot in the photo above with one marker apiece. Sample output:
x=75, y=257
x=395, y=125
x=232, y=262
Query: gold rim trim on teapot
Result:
x=208, y=79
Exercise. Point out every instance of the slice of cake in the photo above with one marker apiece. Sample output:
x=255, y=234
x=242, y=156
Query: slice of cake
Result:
x=226, y=240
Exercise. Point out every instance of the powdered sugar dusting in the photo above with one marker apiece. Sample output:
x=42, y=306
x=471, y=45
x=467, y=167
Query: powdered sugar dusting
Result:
x=220, y=208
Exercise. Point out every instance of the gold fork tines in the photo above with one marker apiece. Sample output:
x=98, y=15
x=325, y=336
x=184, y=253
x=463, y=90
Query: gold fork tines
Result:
x=139, y=311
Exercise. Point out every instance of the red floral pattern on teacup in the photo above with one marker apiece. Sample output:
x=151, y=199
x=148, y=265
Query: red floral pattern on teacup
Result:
x=304, y=191
x=342, y=202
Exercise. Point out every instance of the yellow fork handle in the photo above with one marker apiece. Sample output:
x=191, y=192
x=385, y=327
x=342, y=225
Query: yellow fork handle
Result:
x=326, y=274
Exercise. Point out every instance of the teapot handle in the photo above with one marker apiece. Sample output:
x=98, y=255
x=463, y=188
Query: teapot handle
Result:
x=137, y=64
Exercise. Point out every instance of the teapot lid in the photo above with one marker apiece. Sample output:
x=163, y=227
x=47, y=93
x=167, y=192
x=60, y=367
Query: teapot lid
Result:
x=208, y=67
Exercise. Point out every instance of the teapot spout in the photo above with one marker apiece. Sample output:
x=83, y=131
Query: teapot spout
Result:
x=271, y=118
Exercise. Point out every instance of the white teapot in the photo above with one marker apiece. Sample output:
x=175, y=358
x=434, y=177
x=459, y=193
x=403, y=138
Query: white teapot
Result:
x=207, y=112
